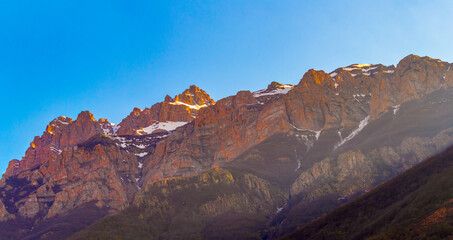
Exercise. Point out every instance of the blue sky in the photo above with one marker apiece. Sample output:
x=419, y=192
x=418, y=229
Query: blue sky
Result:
x=62, y=57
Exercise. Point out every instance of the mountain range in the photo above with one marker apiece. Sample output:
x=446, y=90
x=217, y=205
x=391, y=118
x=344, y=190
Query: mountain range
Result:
x=256, y=165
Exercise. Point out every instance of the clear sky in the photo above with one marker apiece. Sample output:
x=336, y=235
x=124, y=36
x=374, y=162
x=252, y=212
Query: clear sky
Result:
x=62, y=57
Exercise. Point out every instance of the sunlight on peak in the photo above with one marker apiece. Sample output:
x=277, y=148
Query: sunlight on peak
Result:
x=361, y=65
x=188, y=105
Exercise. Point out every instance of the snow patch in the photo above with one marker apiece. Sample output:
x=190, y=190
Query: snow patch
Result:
x=141, y=146
x=317, y=133
x=140, y=165
x=65, y=123
x=333, y=74
x=115, y=128
x=389, y=71
x=167, y=126
x=298, y=165
x=56, y=150
x=109, y=128
x=362, y=124
x=358, y=95
x=141, y=154
x=396, y=108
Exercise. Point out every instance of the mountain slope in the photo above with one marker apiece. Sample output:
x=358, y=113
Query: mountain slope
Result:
x=415, y=205
x=215, y=204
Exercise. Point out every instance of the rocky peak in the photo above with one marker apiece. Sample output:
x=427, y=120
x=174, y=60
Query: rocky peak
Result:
x=136, y=111
x=193, y=96
x=85, y=116
x=319, y=78
x=244, y=98
x=181, y=109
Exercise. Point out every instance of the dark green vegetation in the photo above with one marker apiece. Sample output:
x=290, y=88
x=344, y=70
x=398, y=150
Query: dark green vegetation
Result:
x=59, y=227
x=215, y=204
x=395, y=209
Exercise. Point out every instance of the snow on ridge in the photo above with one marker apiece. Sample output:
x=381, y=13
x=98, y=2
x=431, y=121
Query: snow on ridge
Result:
x=361, y=65
x=167, y=126
x=65, y=123
x=362, y=124
x=284, y=90
x=197, y=107
x=368, y=69
x=356, y=67
x=365, y=68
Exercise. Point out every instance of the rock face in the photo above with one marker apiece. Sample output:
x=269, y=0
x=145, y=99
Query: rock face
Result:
x=413, y=78
x=4, y=214
x=354, y=171
x=346, y=126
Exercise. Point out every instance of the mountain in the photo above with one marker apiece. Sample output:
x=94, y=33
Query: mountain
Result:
x=291, y=154
x=414, y=205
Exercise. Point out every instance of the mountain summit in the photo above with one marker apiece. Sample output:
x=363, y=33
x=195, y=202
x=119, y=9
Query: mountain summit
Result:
x=181, y=109
x=194, y=97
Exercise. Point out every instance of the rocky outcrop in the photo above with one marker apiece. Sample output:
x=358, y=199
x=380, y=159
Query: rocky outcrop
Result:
x=413, y=78
x=62, y=132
